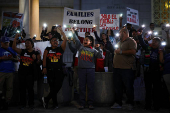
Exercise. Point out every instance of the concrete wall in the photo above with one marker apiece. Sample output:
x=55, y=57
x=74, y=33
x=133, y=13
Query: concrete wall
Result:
x=117, y=7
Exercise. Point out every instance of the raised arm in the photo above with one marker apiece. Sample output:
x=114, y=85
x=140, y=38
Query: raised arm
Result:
x=98, y=52
x=73, y=50
x=17, y=50
x=63, y=45
x=78, y=43
x=142, y=42
x=97, y=37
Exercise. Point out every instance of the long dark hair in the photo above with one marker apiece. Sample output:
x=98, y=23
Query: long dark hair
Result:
x=106, y=36
x=112, y=33
x=91, y=39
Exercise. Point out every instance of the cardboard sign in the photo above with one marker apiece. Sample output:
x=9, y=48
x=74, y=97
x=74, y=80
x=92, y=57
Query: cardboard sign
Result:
x=109, y=21
x=132, y=16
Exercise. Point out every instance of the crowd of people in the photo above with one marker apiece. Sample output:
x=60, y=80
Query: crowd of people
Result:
x=126, y=55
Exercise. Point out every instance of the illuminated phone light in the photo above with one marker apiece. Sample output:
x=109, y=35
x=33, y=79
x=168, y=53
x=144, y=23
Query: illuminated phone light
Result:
x=45, y=25
x=116, y=46
x=65, y=26
x=117, y=34
x=121, y=15
x=155, y=33
x=163, y=43
x=70, y=34
x=56, y=25
x=150, y=32
x=94, y=25
x=143, y=25
x=18, y=31
x=167, y=25
x=35, y=35
x=75, y=25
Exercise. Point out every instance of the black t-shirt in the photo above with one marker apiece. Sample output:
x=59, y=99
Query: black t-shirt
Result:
x=54, y=57
x=26, y=61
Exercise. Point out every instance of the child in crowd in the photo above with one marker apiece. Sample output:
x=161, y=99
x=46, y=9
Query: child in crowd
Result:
x=86, y=68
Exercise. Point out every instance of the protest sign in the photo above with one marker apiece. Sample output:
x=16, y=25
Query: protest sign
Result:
x=132, y=16
x=81, y=19
x=11, y=22
x=109, y=21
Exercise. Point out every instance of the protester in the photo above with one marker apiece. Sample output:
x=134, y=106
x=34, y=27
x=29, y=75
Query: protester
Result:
x=86, y=68
x=74, y=65
x=152, y=75
x=44, y=33
x=129, y=27
x=56, y=32
x=104, y=39
x=148, y=33
x=26, y=72
x=7, y=58
x=53, y=67
x=111, y=37
x=106, y=61
x=122, y=73
x=165, y=59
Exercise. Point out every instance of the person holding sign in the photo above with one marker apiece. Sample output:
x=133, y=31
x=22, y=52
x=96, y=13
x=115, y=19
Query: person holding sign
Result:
x=28, y=59
x=53, y=67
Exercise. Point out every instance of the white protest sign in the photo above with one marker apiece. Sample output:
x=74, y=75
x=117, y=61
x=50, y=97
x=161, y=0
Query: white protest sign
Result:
x=109, y=21
x=132, y=16
x=81, y=19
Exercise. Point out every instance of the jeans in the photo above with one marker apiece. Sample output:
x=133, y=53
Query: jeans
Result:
x=86, y=76
x=55, y=79
x=126, y=77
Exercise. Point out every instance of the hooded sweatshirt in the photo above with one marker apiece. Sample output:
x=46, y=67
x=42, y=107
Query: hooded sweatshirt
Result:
x=87, y=55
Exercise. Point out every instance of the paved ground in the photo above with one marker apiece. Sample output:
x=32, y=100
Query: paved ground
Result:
x=72, y=108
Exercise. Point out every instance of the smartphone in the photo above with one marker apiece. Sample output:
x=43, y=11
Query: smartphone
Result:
x=18, y=31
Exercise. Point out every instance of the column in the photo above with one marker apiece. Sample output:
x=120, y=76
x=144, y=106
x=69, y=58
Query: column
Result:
x=34, y=18
x=24, y=7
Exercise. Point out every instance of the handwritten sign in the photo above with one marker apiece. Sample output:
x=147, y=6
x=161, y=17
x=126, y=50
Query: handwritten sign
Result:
x=132, y=16
x=109, y=21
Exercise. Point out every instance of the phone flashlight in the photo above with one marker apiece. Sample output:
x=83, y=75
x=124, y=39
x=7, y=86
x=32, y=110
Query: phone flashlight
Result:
x=167, y=25
x=143, y=25
x=35, y=35
x=64, y=26
x=18, y=31
x=75, y=25
x=94, y=25
x=117, y=34
x=155, y=33
x=163, y=43
x=121, y=15
x=70, y=34
x=116, y=46
x=45, y=25
x=150, y=32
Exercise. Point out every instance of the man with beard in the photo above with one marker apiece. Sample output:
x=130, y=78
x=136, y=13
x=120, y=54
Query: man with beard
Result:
x=122, y=69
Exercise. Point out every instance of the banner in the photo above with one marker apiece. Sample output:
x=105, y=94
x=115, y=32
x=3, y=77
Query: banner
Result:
x=132, y=16
x=11, y=22
x=109, y=21
x=81, y=19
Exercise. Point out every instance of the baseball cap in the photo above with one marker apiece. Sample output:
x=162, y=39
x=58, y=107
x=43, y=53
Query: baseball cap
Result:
x=4, y=39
